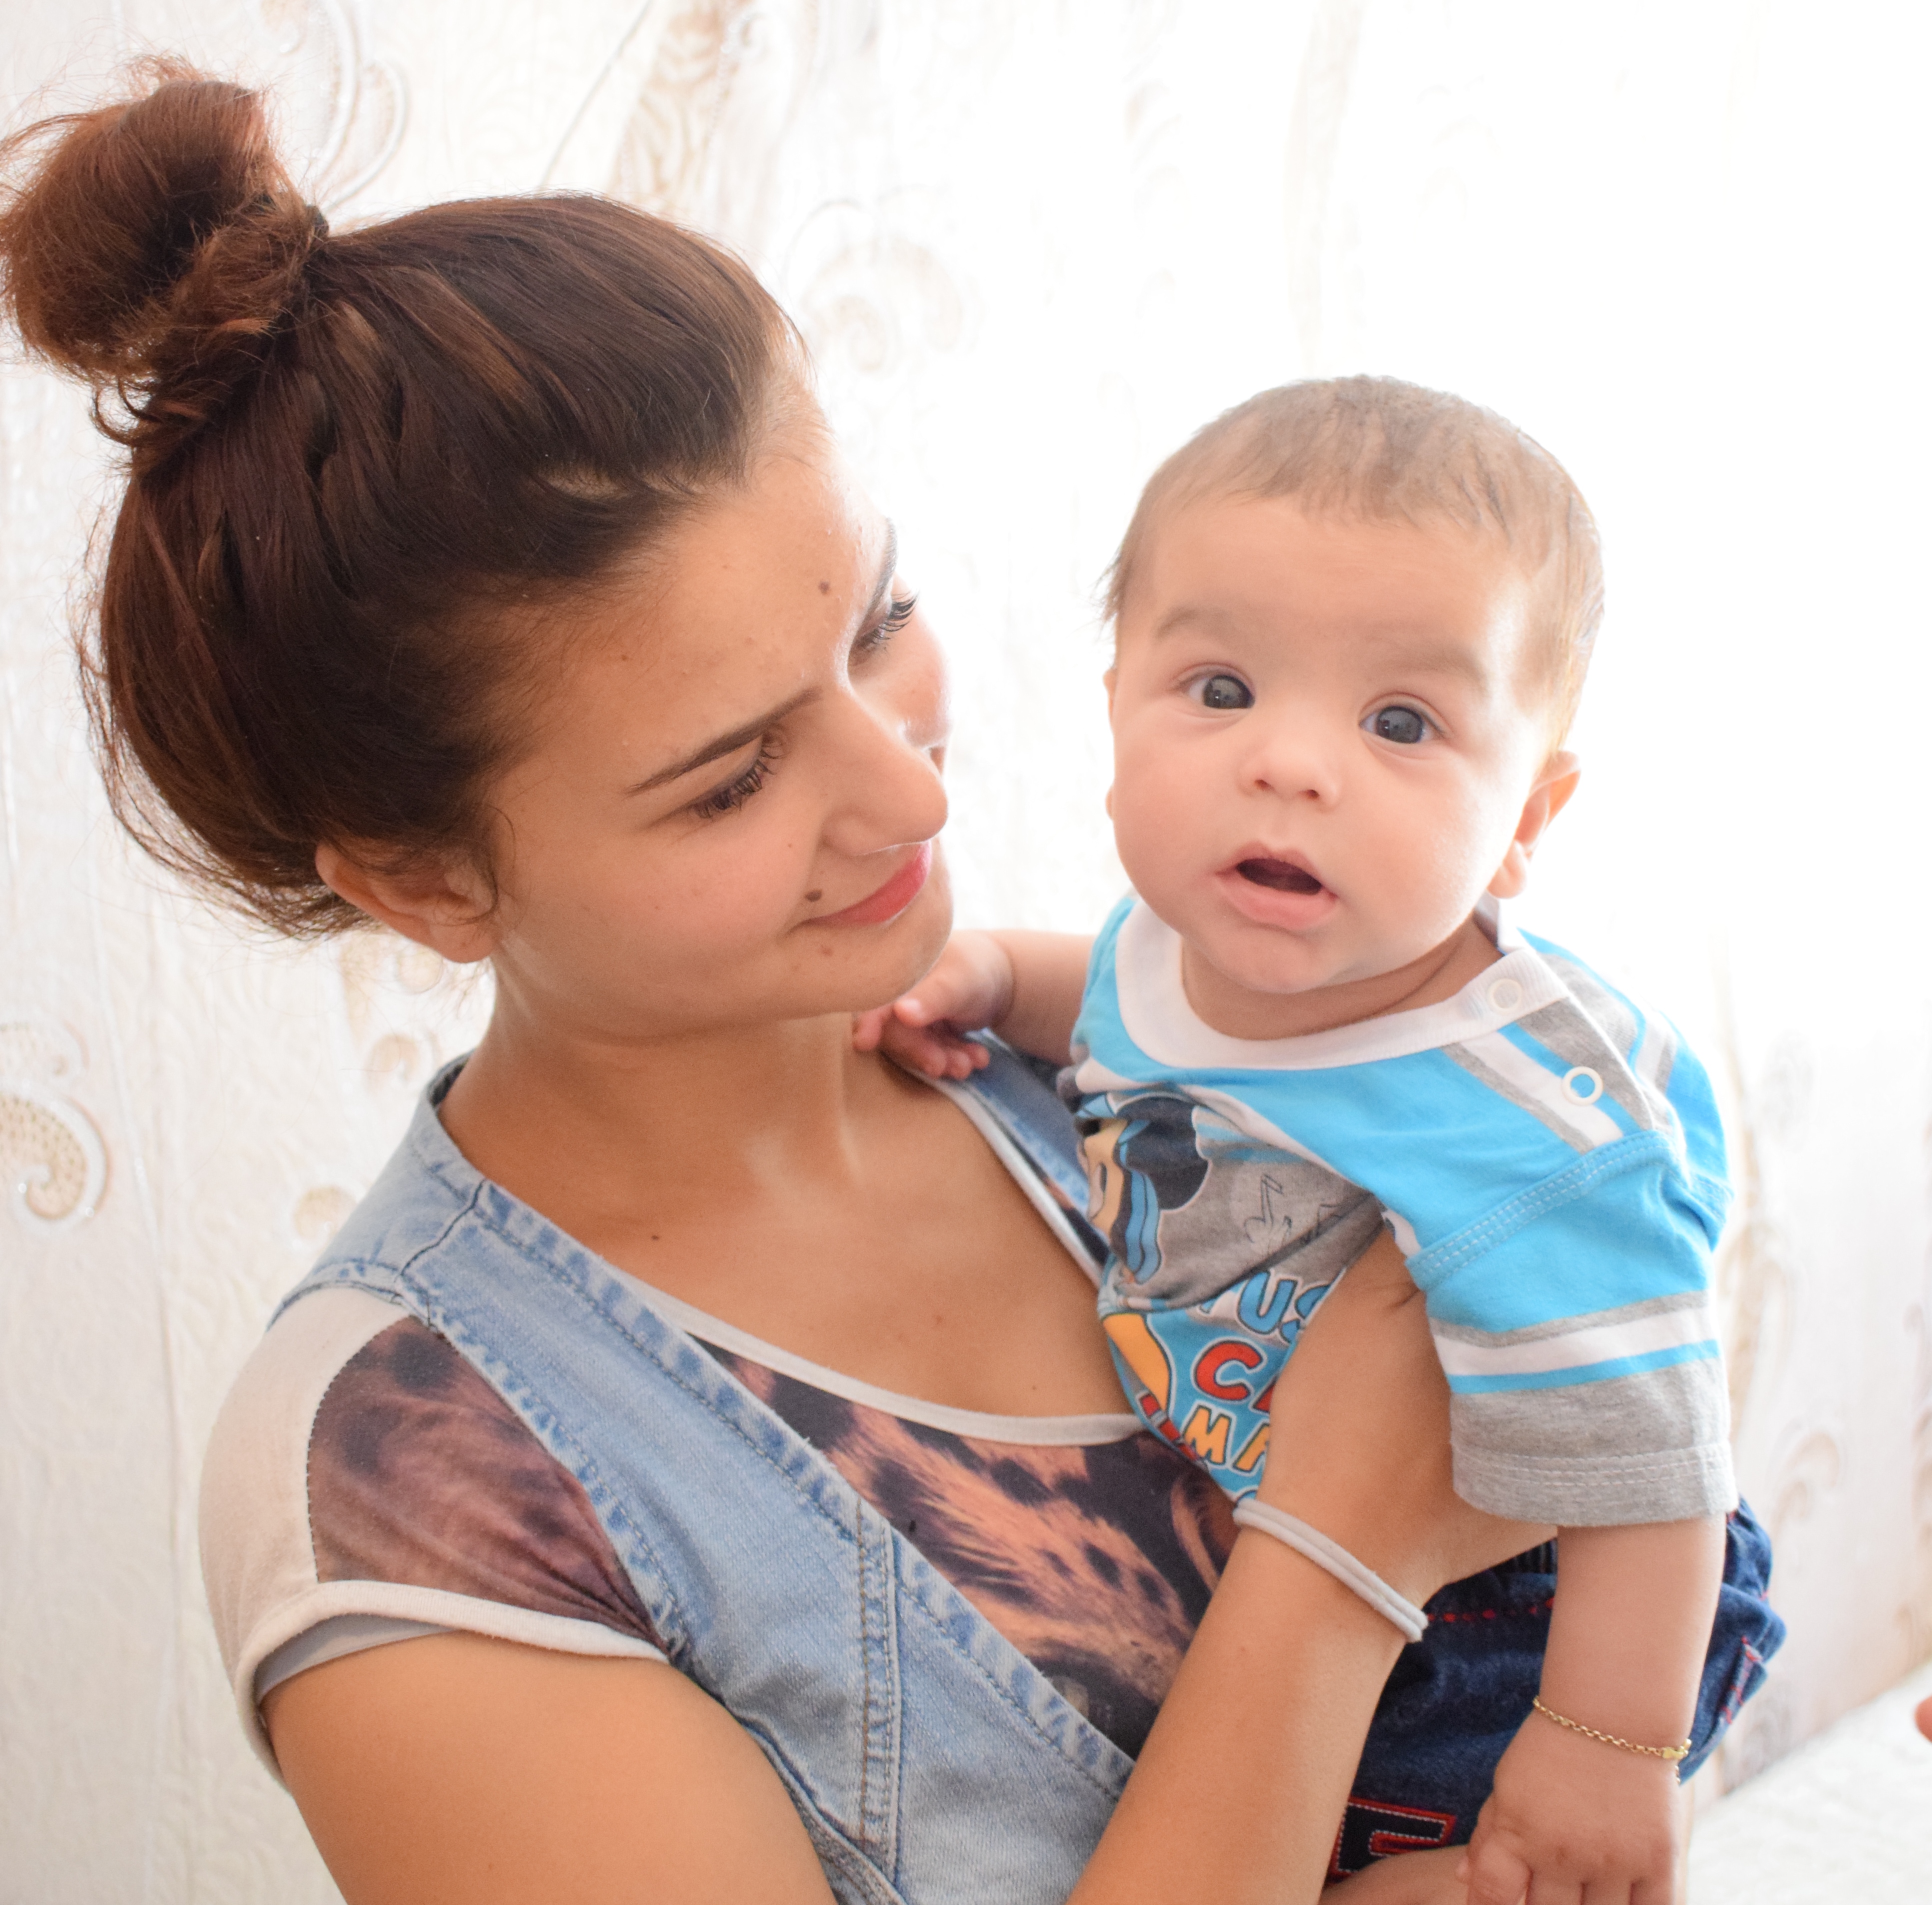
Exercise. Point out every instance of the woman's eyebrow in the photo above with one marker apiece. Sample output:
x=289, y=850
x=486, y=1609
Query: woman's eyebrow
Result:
x=741, y=737
x=712, y=750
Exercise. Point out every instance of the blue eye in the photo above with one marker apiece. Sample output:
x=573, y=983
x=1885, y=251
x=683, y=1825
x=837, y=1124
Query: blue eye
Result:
x=1223, y=693
x=1402, y=725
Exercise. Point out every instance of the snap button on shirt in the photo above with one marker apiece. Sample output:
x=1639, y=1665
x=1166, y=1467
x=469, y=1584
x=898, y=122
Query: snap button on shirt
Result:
x=1583, y=1084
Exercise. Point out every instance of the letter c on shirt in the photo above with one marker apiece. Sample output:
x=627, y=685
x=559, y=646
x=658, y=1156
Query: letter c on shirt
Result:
x=1210, y=1367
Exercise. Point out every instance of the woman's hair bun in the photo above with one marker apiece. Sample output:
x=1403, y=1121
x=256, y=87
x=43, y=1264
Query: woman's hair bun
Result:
x=154, y=245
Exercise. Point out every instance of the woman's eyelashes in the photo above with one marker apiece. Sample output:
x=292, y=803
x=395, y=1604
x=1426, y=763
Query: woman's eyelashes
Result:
x=735, y=793
x=898, y=612
x=741, y=787
x=1404, y=725
x=1221, y=693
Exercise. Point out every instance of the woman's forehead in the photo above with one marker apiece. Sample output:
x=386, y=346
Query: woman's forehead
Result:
x=749, y=600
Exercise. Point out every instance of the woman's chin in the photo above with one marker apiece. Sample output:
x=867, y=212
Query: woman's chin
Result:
x=869, y=966
x=911, y=946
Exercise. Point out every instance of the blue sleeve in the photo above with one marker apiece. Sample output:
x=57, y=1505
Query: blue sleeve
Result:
x=1099, y=1002
x=1575, y=1326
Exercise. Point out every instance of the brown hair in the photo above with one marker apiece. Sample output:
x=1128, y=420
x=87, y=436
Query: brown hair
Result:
x=1389, y=451
x=346, y=455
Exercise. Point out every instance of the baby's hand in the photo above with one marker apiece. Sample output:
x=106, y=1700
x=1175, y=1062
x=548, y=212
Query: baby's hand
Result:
x=1571, y=1819
x=970, y=989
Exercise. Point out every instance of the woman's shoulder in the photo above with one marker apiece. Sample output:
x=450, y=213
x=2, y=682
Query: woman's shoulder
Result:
x=362, y=1471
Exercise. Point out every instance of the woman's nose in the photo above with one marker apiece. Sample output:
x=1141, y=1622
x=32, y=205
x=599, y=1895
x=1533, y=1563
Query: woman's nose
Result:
x=892, y=790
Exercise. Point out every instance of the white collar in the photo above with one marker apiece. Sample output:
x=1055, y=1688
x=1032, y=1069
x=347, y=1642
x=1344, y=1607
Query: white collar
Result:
x=1156, y=1016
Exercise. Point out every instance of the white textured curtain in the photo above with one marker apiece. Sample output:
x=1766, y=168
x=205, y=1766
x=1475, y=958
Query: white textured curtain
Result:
x=1032, y=245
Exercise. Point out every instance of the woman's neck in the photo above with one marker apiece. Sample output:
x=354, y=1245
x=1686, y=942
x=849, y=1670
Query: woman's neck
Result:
x=582, y=1126
x=816, y=1197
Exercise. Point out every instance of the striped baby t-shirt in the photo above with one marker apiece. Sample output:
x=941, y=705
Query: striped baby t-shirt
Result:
x=1548, y=1155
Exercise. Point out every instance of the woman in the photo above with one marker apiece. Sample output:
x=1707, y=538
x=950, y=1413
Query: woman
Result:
x=489, y=574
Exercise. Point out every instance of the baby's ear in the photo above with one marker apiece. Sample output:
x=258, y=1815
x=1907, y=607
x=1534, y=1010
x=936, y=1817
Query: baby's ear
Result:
x=1547, y=798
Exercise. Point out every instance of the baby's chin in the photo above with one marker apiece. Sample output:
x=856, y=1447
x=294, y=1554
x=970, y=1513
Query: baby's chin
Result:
x=1254, y=989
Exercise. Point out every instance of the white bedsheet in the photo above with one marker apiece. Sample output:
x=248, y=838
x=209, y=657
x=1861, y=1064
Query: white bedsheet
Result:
x=1845, y=1820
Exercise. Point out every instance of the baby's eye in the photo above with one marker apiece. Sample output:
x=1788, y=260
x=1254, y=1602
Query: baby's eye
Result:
x=1223, y=692
x=1398, y=724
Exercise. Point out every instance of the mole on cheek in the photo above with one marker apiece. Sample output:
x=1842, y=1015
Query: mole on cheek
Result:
x=812, y=899
x=825, y=588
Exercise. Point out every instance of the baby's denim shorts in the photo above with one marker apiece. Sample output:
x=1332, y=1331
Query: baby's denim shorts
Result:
x=1458, y=1695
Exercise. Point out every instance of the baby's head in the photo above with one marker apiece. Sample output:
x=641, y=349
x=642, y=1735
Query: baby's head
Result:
x=1352, y=620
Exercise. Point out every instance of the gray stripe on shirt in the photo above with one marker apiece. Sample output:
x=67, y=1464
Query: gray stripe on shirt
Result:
x=1461, y=1055
x=1568, y=1326
x=1565, y=1030
x=1650, y=1447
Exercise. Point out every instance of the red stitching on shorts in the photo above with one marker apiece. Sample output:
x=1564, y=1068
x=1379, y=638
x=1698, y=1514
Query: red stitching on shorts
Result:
x=1734, y=1700
x=1492, y=1613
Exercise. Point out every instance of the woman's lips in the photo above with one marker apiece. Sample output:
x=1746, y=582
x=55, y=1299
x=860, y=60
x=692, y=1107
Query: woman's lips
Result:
x=1277, y=893
x=889, y=900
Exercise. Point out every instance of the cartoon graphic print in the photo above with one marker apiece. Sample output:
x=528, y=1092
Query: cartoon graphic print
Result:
x=1191, y=1206
x=1219, y=1250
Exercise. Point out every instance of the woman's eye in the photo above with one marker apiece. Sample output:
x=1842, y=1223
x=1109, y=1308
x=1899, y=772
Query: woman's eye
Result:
x=1398, y=724
x=898, y=612
x=1223, y=693
x=733, y=795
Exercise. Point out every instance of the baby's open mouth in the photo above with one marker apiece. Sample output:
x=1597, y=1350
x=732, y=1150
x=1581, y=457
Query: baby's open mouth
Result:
x=1281, y=875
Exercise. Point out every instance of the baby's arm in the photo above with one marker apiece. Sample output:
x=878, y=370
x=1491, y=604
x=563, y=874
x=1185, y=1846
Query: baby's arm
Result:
x=1627, y=1638
x=1025, y=986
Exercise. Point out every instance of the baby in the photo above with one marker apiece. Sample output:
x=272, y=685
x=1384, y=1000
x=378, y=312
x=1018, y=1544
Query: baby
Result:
x=1352, y=622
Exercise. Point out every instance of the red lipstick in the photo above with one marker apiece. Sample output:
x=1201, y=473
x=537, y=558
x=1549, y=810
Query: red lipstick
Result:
x=889, y=900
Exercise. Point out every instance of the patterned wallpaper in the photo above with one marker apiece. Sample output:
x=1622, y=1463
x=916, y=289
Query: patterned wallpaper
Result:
x=1031, y=246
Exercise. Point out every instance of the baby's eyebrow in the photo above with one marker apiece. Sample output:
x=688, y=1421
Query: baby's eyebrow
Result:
x=1424, y=657
x=1188, y=615
x=1416, y=654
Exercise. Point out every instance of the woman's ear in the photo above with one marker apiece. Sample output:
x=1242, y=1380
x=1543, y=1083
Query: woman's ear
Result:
x=1547, y=799
x=438, y=906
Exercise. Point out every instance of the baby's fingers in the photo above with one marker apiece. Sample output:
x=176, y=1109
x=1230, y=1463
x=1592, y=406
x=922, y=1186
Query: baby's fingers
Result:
x=867, y=1027
x=1563, y=1891
x=937, y=1051
x=950, y=995
x=1497, y=1875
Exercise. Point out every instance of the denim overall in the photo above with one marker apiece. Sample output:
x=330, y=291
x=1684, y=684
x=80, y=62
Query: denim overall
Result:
x=931, y=1761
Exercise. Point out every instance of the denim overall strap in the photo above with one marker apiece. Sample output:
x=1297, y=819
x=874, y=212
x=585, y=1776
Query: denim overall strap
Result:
x=1017, y=1092
x=931, y=1762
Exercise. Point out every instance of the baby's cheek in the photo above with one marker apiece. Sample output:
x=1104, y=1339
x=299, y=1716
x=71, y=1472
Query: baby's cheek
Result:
x=1476, y=831
x=1158, y=847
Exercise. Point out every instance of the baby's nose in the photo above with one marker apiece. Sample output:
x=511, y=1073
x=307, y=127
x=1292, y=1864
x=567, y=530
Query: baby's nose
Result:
x=1295, y=761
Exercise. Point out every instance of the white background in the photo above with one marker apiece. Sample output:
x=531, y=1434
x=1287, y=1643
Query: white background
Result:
x=1032, y=245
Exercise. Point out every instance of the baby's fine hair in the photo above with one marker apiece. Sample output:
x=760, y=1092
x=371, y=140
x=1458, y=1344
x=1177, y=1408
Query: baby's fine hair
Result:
x=1388, y=451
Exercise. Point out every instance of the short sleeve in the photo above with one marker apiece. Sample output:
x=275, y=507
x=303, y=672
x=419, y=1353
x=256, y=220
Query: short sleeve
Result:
x=1575, y=1326
x=362, y=1471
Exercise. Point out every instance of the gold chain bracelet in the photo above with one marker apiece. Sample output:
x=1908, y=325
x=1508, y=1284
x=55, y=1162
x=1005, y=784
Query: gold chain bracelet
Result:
x=1672, y=1753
